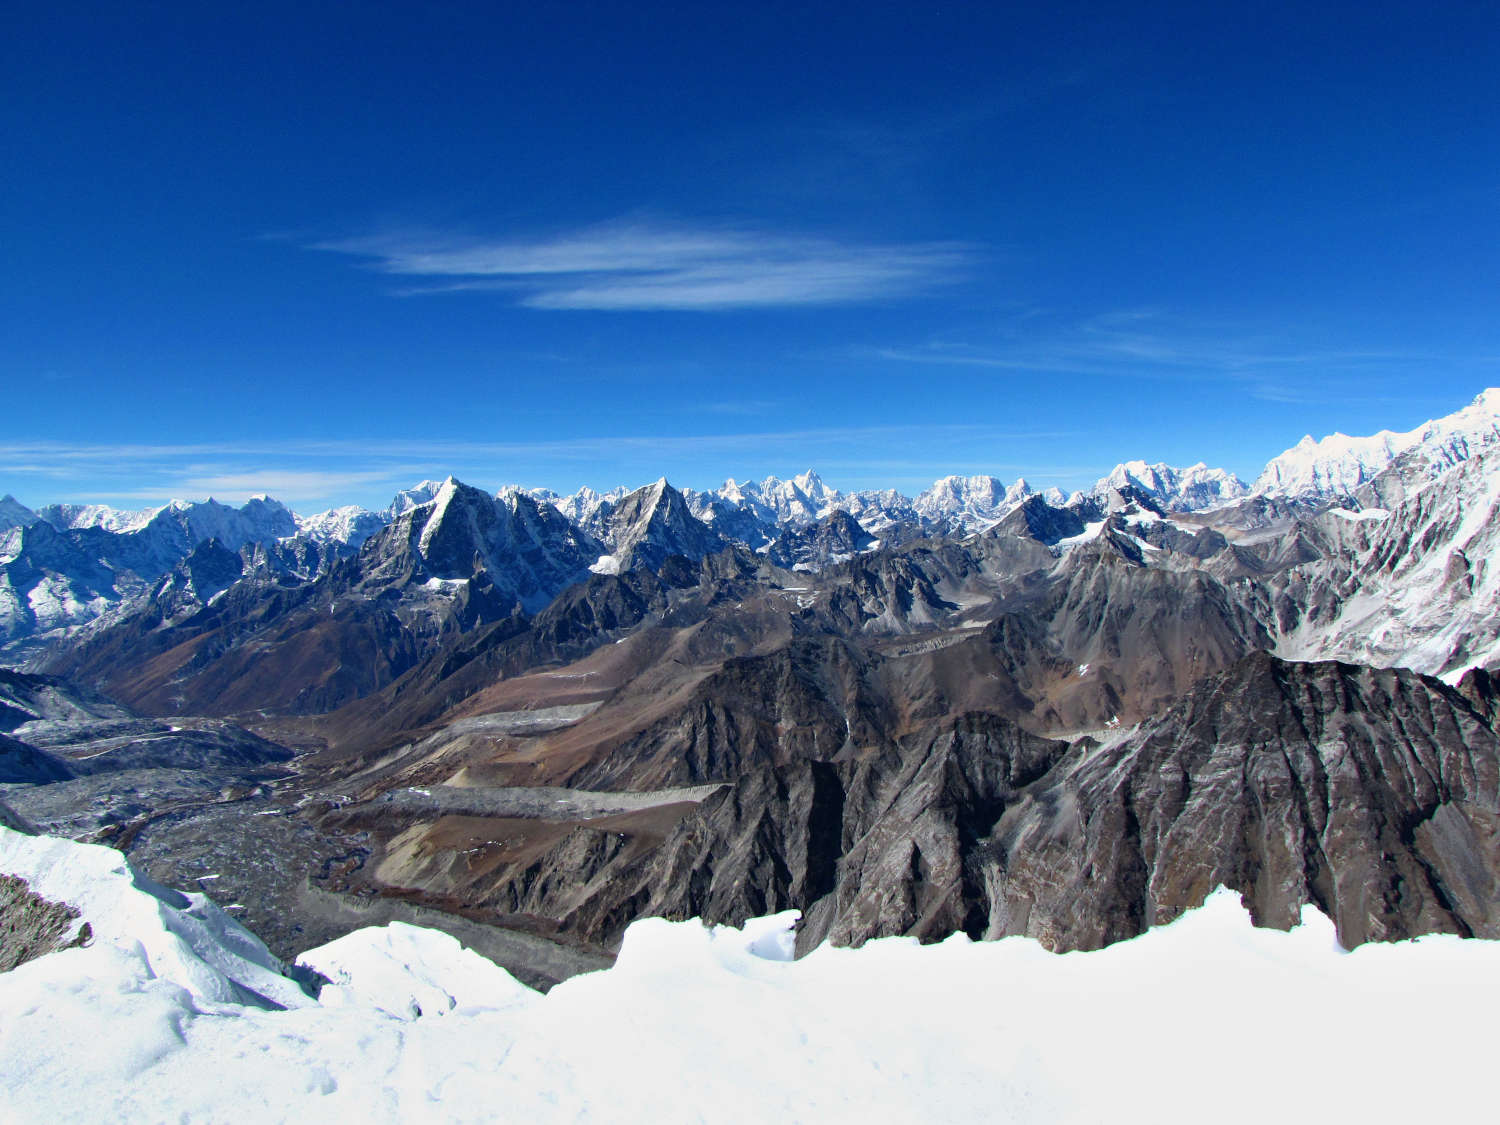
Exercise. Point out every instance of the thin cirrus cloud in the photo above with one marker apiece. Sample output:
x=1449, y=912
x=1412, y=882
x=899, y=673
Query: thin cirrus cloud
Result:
x=331, y=472
x=1147, y=345
x=644, y=267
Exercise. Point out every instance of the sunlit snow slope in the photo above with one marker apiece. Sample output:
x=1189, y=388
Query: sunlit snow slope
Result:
x=1206, y=1019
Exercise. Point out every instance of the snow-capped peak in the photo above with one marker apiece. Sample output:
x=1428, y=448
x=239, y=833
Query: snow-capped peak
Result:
x=974, y=501
x=1183, y=490
x=350, y=525
x=1336, y=466
x=811, y=485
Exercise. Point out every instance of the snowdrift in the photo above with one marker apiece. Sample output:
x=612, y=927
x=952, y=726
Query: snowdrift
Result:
x=175, y=1012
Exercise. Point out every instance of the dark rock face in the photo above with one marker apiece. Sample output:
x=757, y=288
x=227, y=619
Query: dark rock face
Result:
x=913, y=821
x=208, y=571
x=297, y=559
x=1158, y=631
x=833, y=539
x=13, y=513
x=1481, y=688
x=654, y=523
x=529, y=551
x=753, y=525
x=24, y=763
x=1039, y=520
x=805, y=701
x=1372, y=794
x=13, y=820
x=30, y=926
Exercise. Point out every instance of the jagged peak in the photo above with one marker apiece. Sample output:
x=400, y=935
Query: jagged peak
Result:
x=811, y=484
x=437, y=509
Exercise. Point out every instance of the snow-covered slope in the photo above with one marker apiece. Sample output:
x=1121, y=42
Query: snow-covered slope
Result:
x=773, y=502
x=755, y=513
x=67, y=516
x=585, y=509
x=694, y=1024
x=1335, y=467
x=1417, y=586
x=137, y=927
x=259, y=520
x=350, y=525
x=52, y=578
x=409, y=498
x=1176, y=490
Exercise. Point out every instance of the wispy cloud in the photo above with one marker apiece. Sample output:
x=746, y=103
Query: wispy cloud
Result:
x=316, y=474
x=735, y=407
x=652, y=266
x=284, y=484
x=1148, y=344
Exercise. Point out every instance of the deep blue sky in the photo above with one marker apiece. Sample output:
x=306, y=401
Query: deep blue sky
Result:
x=324, y=250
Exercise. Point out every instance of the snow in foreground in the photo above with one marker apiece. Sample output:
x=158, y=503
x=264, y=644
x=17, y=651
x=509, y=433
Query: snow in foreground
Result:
x=165, y=1016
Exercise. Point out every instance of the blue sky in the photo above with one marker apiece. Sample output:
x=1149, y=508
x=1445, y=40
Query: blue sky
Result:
x=325, y=250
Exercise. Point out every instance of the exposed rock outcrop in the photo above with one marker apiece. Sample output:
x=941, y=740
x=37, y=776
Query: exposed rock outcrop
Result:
x=1373, y=794
x=30, y=926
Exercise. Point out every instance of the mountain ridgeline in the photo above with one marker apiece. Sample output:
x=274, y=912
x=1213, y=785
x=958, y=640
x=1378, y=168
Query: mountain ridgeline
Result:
x=985, y=709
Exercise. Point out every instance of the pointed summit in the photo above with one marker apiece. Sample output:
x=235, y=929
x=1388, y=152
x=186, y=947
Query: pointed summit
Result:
x=13, y=513
x=525, y=551
x=652, y=523
x=812, y=486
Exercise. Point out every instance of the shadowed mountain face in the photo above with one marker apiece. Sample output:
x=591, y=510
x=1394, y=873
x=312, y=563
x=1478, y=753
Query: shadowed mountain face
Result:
x=1374, y=795
x=830, y=540
x=21, y=763
x=653, y=524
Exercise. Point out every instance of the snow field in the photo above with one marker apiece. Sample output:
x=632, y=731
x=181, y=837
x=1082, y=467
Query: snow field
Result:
x=1205, y=1019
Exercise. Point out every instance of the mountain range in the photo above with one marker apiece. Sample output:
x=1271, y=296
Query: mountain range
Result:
x=100, y=557
x=984, y=709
